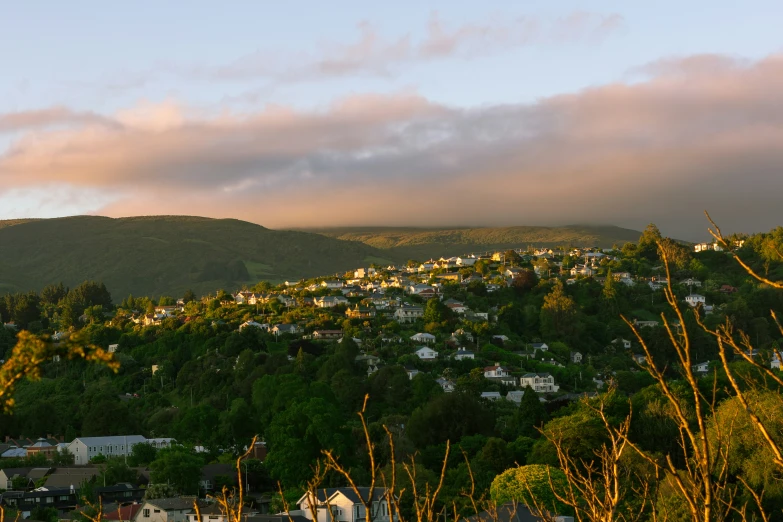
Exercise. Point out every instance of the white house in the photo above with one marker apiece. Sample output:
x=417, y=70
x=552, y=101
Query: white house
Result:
x=640, y=358
x=702, y=367
x=539, y=382
x=462, y=353
x=495, y=371
x=576, y=357
x=412, y=372
x=166, y=510
x=540, y=346
x=332, y=284
x=423, y=337
x=85, y=448
x=466, y=261
x=775, y=362
x=695, y=300
x=626, y=343
x=446, y=384
x=345, y=505
x=426, y=354
x=253, y=324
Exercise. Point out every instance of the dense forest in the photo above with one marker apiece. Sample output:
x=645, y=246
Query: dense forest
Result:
x=201, y=379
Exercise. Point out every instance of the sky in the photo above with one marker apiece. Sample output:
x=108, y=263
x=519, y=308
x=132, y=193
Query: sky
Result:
x=315, y=114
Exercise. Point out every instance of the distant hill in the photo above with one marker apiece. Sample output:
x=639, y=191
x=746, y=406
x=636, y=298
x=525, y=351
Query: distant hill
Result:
x=166, y=254
x=423, y=243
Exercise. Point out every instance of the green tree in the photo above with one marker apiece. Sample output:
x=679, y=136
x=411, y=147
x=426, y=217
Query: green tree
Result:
x=530, y=485
x=558, y=313
x=648, y=242
x=142, y=454
x=115, y=471
x=179, y=467
x=530, y=416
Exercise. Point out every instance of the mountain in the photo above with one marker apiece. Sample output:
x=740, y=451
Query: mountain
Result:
x=425, y=243
x=166, y=254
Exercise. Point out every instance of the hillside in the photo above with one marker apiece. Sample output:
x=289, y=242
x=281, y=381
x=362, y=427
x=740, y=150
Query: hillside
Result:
x=165, y=254
x=420, y=243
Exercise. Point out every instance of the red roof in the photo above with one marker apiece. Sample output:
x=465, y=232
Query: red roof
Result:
x=125, y=513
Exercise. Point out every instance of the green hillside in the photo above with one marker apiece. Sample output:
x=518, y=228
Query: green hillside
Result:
x=165, y=254
x=419, y=243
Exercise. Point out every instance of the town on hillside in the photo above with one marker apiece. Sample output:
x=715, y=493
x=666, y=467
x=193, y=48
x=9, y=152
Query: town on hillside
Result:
x=486, y=351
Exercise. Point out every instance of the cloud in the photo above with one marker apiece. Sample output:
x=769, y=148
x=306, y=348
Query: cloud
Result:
x=53, y=116
x=662, y=150
x=372, y=54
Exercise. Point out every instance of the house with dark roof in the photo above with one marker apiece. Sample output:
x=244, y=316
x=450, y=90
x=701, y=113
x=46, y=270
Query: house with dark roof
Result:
x=166, y=510
x=61, y=499
x=345, y=505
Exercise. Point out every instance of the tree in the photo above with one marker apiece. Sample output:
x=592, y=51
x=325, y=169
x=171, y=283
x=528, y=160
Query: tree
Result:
x=142, y=454
x=530, y=415
x=178, y=466
x=450, y=416
x=524, y=281
x=188, y=296
x=530, y=485
x=648, y=242
x=116, y=471
x=44, y=514
x=297, y=436
x=558, y=313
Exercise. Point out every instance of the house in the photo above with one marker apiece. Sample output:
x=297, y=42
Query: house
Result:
x=361, y=273
x=456, y=335
x=63, y=500
x=360, y=313
x=691, y=282
x=408, y=314
x=426, y=354
x=640, y=358
x=345, y=505
x=425, y=338
x=695, y=300
x=426, y=267
x=66, y=477
x=539, y=382
x=123, y=514
x=85, y=448
x=446, y=385
x=576, y=357
x=330, y=301
x=539, y=346
x=210, y=472
x=703, y=367
x=332, y=284
x=217, y=513
x=727, y=289
x=42, y=447
x=411, y=371
x=321, y=335
x=775, y=362
x=455, y=306
x=491, y=395
x=121, y=493
x=492, y=372
x=645, y=324
x=281, y=329
x=253, y=324
x=9, y=475
x=466, y=261
x=462, y=353
x=500, y=338
x=166, y=510
x=515, y=396
x=625, y=343
x=499, y=374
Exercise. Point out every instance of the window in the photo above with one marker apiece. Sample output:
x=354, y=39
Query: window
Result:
x=146, y=513
x=49, y=500
x=157, y=511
